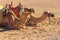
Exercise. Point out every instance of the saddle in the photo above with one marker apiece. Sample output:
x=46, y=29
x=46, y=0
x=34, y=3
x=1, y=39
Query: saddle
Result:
x=16, y=10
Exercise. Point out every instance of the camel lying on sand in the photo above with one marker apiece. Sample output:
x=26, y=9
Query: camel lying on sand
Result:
x=7, y=20
x=33, y=21
x=19, y=23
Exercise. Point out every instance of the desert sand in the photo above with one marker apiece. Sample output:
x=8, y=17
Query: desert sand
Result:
x=47, y=31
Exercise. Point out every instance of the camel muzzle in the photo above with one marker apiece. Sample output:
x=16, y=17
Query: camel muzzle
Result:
x=50, y=14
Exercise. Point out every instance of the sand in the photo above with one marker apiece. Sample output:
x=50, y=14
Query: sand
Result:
x=47, y=31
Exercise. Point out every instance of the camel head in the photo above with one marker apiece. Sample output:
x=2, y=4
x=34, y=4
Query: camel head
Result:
x=30, y=10
x=50, y=15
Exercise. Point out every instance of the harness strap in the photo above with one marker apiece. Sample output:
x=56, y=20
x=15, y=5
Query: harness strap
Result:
x=13, y=14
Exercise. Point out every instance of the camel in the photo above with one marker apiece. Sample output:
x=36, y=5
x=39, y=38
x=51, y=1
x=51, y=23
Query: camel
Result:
x=6, y=20
x=33, y=21
x=19, y=23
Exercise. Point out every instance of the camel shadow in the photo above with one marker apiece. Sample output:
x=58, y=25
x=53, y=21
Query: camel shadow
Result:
x=3, y=29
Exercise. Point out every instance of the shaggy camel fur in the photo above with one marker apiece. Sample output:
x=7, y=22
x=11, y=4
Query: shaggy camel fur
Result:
x=33, y=21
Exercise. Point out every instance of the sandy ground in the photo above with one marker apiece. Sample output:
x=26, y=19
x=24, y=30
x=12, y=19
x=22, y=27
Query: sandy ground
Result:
x=48, y=32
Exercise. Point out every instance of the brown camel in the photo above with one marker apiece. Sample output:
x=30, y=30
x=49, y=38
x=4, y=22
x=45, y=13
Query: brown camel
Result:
x=33, y=21
x=19, y=23
x=7, y=20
